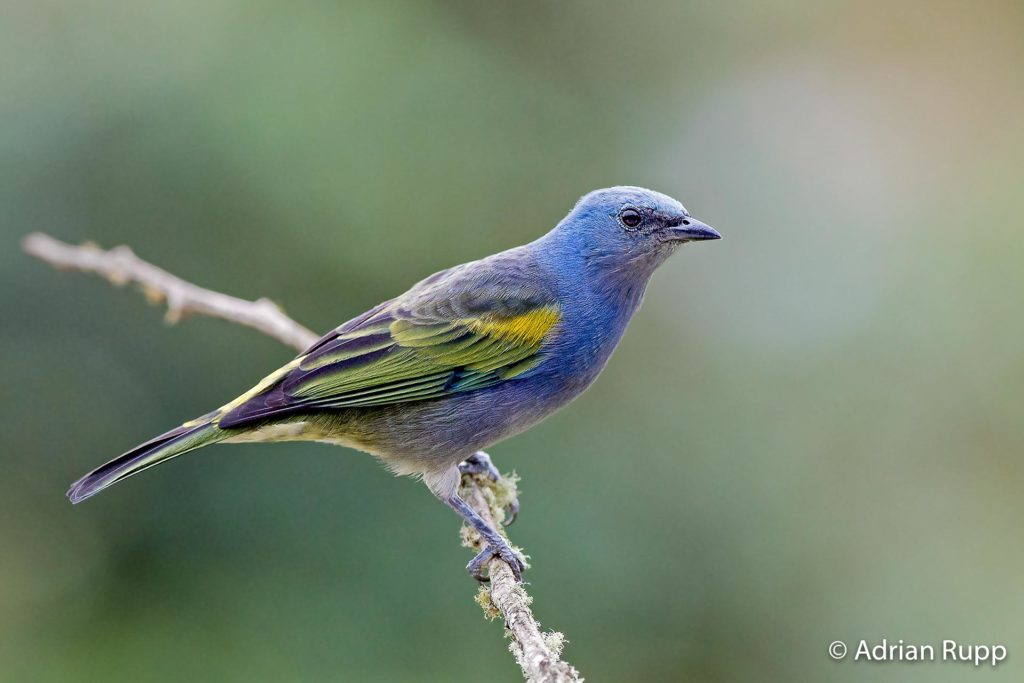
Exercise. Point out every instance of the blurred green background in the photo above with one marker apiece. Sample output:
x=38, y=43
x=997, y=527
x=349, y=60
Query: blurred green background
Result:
x=812, y=430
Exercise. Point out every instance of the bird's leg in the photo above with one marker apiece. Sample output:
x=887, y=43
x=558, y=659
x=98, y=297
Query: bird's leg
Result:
x=495, y=544
x=480, y=463
x=445, y=485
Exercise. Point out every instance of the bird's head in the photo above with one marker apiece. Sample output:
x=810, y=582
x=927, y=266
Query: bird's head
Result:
x=630, y=228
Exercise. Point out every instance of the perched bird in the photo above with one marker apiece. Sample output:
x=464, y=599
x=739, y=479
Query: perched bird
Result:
x=467, y=357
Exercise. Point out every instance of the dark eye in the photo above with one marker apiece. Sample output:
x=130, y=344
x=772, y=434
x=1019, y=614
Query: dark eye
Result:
x=630, y=218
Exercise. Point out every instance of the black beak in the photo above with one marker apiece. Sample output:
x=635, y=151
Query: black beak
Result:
x=692, y=230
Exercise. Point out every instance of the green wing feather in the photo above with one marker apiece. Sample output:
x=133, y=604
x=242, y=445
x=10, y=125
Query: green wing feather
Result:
x=409, y=351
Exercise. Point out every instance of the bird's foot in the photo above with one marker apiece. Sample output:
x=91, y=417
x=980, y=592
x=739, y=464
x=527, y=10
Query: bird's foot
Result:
x=496, y=547
x=480, y=463
x=490, y=539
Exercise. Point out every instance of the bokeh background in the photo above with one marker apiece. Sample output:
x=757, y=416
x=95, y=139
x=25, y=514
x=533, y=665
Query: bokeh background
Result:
x=812, y=430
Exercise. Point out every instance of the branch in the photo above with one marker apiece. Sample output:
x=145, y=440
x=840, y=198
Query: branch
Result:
x=120, y=266
x=537, y=654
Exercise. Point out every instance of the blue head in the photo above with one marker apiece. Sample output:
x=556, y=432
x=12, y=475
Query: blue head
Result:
x=626, y=232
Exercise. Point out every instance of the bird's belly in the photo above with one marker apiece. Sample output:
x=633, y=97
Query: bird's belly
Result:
x=425, y=436
x=432, y=435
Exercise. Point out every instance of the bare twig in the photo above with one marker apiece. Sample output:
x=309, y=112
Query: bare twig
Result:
x=537, y=654
x=120, y=266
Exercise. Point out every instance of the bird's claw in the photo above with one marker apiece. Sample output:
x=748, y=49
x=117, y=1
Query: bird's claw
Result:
x=493, y=544
x=480, y=463
x=511, y=512
x=501, y=549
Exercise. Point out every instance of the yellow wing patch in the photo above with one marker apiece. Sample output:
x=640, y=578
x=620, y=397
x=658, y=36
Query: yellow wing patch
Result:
x=527, y=329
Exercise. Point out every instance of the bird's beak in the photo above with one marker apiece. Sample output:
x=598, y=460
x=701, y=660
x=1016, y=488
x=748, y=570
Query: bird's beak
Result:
x=692, y=230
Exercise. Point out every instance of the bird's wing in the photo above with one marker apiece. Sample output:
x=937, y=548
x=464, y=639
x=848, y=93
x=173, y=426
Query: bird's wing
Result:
x=464, y=329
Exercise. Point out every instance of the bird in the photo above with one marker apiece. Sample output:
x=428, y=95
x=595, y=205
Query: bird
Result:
x=465, y=358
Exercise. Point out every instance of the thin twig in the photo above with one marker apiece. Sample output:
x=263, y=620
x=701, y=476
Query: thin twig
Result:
x=121, y=266
x=537, y=654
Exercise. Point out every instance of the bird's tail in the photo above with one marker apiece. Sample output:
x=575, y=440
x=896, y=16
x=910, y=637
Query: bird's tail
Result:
x=191, y=435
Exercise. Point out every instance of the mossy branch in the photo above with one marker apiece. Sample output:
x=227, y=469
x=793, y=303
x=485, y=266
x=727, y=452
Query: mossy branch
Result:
x=538, y=654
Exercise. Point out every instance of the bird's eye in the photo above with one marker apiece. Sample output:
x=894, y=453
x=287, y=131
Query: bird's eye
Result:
x=630, y=218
